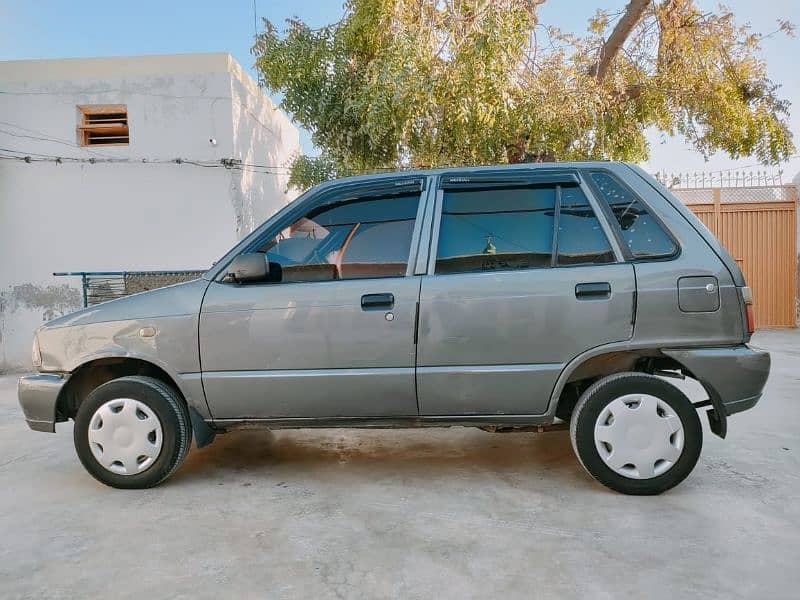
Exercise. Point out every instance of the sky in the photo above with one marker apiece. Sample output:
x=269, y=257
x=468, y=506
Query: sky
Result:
x=61, y=29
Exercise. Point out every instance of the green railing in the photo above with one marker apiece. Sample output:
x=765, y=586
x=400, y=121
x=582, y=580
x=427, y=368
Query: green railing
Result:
x=100, y=286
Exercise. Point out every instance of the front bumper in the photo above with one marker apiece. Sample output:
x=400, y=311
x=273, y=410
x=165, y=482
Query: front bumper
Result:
x=734, y=377
x=38, y=396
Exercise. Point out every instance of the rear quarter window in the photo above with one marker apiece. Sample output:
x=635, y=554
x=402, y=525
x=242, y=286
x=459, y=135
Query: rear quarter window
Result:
x=641, y=233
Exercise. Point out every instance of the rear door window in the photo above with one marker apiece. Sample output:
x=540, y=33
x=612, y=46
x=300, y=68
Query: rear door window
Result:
x=496, y=229
x=641, y=232
x=509, y=228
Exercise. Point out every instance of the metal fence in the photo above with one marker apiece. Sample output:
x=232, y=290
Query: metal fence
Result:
x=100, y=286
x=760, y=178
x=746, y=195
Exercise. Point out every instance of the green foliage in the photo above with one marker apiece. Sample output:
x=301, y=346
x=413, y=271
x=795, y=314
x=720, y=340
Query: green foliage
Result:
x=423, y=83
x=310, y=170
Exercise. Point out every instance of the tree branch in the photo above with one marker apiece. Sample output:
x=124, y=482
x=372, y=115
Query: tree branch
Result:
x=532, y=6
x=633, y=14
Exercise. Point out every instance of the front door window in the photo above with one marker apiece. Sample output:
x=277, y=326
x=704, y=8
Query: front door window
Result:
x=354, y=239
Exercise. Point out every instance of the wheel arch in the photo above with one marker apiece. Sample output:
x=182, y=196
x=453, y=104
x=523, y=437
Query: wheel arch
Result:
x=588, y=367
x=97, y=371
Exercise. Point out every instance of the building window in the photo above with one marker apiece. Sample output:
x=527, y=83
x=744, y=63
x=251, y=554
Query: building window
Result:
x=103, y=125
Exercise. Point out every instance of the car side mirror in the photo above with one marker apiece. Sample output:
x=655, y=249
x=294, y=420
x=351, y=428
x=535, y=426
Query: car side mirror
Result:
x=248, y=268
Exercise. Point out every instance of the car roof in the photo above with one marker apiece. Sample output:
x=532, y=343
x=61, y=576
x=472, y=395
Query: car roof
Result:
x=454, y=170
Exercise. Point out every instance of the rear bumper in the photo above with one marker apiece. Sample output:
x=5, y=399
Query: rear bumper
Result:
x=742, y=404
x=734, y=377
x=38, y=396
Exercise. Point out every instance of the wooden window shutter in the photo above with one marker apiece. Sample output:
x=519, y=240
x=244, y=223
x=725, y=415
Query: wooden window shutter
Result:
x=103, y=125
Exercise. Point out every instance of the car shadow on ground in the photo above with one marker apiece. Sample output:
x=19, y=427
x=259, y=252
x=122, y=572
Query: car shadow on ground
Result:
x=419, y=454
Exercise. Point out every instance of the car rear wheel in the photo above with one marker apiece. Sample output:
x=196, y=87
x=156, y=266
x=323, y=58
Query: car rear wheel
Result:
x=132, y=432
x=636, y=433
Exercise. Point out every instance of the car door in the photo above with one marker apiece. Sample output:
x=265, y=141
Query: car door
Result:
x=522, y=277
x=331, y=333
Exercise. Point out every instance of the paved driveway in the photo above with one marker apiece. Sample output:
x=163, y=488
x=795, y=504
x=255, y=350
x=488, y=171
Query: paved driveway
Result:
x=441, y=513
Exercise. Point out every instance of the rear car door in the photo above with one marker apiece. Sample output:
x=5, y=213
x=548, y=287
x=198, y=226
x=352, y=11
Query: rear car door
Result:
x=522, y=277
x=331, y=335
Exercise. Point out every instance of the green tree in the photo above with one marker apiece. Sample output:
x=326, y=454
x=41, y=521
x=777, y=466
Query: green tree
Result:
x=418, y=83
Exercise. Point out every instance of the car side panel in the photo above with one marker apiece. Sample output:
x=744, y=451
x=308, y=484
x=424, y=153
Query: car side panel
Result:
x=485, y=389
x=659, y=317
x=309, y=349
x=172, y=348
x=660, y=322
x=311, y=393
x=504, y=337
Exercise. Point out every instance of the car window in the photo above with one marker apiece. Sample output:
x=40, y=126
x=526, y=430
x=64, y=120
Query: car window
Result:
x=352, y=239
x=495, y=229
x=641, y=232
x=581, y=239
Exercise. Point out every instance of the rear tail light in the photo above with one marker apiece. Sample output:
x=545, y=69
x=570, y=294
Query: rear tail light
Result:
x=747, y=296
x=751, y=321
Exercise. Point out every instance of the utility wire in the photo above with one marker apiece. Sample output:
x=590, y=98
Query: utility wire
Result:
x=225, y=163
x=47, y=139
x=90, y=92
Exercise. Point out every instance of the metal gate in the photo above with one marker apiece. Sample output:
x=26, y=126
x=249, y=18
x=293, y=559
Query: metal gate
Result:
x=758, y=226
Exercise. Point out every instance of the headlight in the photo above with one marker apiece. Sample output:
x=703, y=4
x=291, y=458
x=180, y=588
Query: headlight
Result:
x=36, y=354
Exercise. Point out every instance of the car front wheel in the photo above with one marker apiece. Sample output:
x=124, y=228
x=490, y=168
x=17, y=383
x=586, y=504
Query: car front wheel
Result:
x=132, y=432
x=636, y=433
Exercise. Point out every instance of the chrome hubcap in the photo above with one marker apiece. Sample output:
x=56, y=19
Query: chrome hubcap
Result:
x=639, y=436
x=125, y=436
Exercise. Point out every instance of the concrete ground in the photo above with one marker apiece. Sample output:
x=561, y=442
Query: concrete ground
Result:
x=437, y=513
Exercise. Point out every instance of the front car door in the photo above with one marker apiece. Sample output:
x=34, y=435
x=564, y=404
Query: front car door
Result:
x=522, y=277
x=332, y=333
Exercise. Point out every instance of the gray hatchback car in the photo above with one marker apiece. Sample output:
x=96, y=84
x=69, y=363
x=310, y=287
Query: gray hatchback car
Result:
x=518, y=298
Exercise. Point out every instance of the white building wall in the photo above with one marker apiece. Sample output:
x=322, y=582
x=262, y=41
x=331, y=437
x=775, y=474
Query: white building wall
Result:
x=262, y=135
x=140, y=214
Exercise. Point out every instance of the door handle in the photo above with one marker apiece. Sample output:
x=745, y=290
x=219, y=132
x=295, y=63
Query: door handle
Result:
x=377, y=301
x=598, y=290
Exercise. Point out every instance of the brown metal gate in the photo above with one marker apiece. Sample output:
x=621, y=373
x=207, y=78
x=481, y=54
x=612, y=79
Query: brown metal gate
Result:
x=758, y=226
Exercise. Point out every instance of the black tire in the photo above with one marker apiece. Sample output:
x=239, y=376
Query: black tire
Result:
x=171, y=412
x=598, y=396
